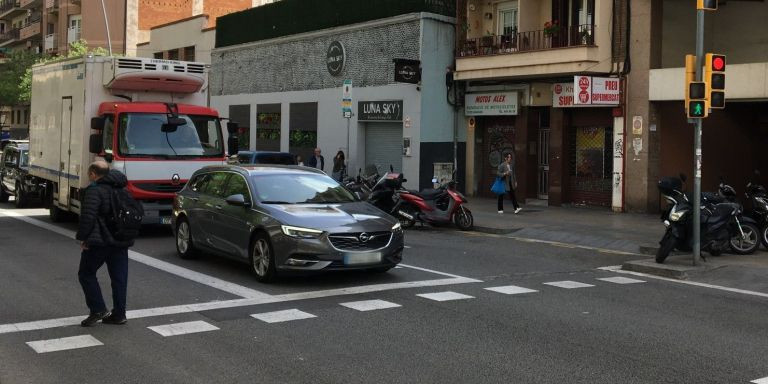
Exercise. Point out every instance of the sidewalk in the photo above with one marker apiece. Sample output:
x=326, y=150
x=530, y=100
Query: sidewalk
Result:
x=624, y=232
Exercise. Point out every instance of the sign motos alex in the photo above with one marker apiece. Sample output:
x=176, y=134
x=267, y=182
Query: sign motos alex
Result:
x=490, y=104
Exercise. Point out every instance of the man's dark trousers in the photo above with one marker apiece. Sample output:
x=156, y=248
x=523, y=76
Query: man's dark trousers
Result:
x=117, y=265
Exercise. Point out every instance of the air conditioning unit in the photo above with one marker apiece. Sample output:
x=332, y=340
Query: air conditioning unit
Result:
x=147, y=74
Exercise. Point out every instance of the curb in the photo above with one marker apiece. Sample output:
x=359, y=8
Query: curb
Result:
x=675, y=267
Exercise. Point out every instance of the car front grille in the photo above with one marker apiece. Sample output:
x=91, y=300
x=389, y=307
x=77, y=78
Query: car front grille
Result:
x=160, y=187
x=353, y=241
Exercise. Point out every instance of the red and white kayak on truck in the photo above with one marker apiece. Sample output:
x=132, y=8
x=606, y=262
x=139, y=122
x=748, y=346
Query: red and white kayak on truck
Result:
x=147, y=117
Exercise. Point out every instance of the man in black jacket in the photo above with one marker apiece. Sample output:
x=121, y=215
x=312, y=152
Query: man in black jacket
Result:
x=317, y=160
x=99, y=246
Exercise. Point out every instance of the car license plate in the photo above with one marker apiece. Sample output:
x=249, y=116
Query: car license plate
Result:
x=165, y=220
x=362, y=258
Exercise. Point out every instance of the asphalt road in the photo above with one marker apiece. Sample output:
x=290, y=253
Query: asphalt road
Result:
x=208, y=318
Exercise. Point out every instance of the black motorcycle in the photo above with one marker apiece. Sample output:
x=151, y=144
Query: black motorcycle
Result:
x=723, y=226
x=757, y=203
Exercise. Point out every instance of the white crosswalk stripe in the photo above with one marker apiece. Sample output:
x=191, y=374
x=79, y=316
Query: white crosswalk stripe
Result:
x=445, y=296
x=370, y=305
x=568, y=284
x=282, y=316
x=764, y=380
x=511, y=290
x=621, y=280
x=183, y=328
x=63, y=344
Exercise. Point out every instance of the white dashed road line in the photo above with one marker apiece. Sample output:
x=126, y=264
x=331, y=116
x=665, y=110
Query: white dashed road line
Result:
x=370, y=305
x=64, y=344
x=445, y=296
x=511, y=290
x=621, y=280
x=568, y=284
x=764, y=380
x=183, y=328
x=282, y=316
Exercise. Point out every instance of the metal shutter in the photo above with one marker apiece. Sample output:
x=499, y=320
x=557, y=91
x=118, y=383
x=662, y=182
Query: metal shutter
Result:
x=384, y=146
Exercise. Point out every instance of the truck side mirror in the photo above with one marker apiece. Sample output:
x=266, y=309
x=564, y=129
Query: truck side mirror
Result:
x=96, y=143
x=232, y=127
x=97, y=123
x=233, y=145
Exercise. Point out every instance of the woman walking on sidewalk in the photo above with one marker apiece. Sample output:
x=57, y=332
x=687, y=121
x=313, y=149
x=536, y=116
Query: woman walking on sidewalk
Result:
x=507, y=172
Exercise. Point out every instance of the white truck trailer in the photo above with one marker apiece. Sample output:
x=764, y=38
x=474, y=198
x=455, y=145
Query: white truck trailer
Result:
x=146, y=117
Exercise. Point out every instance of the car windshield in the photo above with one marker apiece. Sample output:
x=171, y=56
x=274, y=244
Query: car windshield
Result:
x=24, y=159
x=299, y=189
x=141, y=134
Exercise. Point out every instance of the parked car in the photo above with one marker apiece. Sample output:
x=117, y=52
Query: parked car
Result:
x=15, y=179
x=264, y=157
x=283, y=219
x=5, y=142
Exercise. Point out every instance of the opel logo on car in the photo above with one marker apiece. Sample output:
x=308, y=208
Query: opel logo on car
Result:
x=175, y=179
x=364, y=237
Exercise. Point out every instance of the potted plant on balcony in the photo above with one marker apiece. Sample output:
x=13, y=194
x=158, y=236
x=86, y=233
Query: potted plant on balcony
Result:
x=551, y=28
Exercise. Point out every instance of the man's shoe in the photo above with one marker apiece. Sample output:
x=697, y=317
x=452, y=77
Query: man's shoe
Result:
x=112, y=319
x=517, y=210
x=500, y=212
x=94, y=318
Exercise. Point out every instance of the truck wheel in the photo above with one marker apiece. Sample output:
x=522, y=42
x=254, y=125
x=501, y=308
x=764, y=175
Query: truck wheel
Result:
x=21, y=197
x=56, y=214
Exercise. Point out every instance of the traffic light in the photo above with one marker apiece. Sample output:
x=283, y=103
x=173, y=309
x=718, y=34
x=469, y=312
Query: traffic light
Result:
x=714, y=76
x=706, y=5
x=695, y=91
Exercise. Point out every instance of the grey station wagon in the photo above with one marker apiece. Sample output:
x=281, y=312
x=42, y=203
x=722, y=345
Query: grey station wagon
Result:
x=283, y=219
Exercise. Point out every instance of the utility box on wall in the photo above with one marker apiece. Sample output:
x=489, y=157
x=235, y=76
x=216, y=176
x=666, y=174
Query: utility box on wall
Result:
x=540, y=95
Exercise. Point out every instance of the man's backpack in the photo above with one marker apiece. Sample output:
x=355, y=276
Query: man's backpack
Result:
x=127, y=214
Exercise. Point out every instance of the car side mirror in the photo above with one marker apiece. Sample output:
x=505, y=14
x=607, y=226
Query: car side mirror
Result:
x=96, y=143
x=238, y=201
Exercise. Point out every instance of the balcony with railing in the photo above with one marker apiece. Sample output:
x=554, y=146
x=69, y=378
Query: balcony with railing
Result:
x=31, y=28
x=10, y=9
x=73, y=34
x=30, y=4
x=9, y=37
x=51, y=43
x=507, y=39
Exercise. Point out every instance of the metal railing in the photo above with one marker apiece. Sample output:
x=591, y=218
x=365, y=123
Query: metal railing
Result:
x=51, y=5
x=574, y=36
x=6, y=5
x=50, y=43
x=13, y=34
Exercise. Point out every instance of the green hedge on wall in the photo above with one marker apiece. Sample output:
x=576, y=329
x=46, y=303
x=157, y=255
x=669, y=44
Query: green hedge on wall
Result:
x=290, y=17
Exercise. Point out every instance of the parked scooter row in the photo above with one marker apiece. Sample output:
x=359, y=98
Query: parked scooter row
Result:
x=444, y=205
x=723, y=223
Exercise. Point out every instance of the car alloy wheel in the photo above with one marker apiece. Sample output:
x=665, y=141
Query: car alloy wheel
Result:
x=184, y=246
x=262, y=260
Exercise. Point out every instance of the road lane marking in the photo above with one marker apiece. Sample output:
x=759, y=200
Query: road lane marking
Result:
x=553, y=243
x=764, y=380
x=621, y=280
x=617, y=269
x=511, y=290
x=177, y=329
x=445, y=296
x=201, y=278
x=283, y=316
x=568, y=284
x=64, y=344
x=370, y=305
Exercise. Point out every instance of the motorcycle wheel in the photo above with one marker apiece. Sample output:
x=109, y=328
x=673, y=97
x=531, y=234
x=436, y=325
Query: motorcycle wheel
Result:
x=749, y=243
x=765, y=236
x=667, y=244
x=463, y=219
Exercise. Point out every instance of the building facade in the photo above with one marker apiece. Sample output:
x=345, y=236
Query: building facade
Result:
x=520, y=62
x=287, y=91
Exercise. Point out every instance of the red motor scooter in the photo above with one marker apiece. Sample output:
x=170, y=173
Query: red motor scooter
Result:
x=435, y=206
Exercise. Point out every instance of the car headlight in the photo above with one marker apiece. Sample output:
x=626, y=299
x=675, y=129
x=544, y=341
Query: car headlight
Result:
x=676, y=216
x=301, y=233
x=397, y=228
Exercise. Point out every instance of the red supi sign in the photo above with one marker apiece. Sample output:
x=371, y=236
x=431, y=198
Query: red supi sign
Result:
x=590, y=92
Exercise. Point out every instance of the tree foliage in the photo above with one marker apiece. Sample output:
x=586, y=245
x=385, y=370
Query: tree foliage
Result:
x=11, y=73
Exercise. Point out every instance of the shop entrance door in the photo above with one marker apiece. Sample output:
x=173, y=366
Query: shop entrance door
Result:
x=543, y=190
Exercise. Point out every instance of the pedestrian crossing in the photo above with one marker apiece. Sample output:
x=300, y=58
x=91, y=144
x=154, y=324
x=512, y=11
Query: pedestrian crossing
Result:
x=295, y=314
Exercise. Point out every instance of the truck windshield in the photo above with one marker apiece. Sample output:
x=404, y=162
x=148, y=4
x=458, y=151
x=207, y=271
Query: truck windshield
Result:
x=141, y=134
x=24, y=161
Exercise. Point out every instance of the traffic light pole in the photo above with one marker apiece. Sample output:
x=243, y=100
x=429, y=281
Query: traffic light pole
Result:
x=697, y=141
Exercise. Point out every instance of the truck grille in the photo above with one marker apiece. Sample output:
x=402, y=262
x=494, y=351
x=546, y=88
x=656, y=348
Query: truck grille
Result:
x=160, y=187
x=354, y=241
x=195, y=68
x=129, y=63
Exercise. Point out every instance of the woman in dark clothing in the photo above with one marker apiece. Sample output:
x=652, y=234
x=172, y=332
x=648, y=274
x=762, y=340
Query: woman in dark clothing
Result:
x=338, y=167
x=506, y=171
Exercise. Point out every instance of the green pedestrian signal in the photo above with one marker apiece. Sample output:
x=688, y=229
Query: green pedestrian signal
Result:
x=697, y=109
